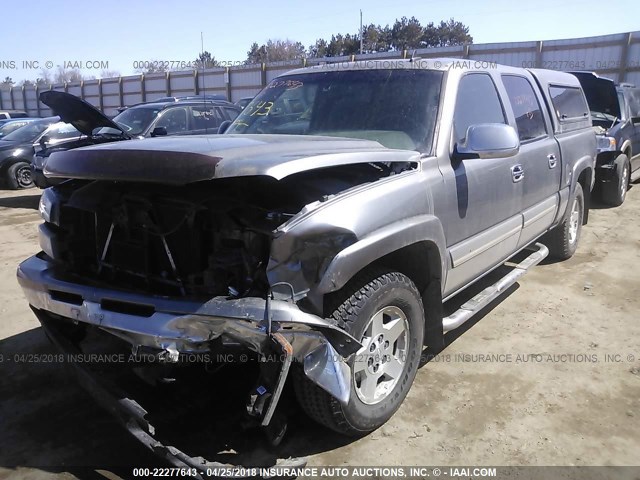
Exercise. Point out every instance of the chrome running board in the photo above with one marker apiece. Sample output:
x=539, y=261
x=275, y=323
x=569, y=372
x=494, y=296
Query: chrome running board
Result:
x=486, y=296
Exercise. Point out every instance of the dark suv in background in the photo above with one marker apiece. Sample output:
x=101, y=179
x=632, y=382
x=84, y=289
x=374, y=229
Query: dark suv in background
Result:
x=615, y=113
x=186, y=117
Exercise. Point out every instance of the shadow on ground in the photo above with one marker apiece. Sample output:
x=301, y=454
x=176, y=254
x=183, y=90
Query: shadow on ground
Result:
x=49, y=423
x=22, y=201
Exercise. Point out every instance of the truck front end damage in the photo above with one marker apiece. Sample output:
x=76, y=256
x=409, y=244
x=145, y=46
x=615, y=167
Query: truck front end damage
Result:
x=203, y=271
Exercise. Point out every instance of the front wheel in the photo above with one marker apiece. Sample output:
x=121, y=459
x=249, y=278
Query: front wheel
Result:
x=385, y=313
x=19, y=176
x=563, y=239
x=615, y=191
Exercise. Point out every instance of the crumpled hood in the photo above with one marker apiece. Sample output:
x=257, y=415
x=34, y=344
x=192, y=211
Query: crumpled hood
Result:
x=82, y=115
x=181, y=160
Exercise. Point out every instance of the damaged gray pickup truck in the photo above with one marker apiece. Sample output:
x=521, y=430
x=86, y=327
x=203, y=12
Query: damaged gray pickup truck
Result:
x=324, y=229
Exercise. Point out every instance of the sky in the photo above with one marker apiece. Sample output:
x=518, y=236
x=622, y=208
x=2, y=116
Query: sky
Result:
x=116, y=35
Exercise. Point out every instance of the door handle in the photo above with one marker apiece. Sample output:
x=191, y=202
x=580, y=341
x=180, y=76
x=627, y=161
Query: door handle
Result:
x=517, y=173
x=552, y=160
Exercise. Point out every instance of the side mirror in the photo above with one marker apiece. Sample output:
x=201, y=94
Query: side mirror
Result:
x=43, y=141
x=489, y=140
x=159, y=132
x=224, y=126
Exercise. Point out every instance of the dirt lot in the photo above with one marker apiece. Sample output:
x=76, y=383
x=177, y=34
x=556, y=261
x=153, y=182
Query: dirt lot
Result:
x=549, y=375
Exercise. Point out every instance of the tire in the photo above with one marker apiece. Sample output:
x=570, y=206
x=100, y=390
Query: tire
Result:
x=615, y=191
x=563, y=240
x=384, y=311
x=19, y=176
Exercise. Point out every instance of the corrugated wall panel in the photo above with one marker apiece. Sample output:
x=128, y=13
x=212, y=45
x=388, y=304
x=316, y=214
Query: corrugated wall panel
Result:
x=182, y=83
x=246, y=77
x=155, y=87
x=110, y=87
x=633, y=78
x=247, y=92
x=212, y=80
x=131, y=84
x=131, y=98
x=74, y=90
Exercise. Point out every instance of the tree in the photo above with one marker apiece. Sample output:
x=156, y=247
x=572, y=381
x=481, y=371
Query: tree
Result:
x=318, y=49
x=44, y=80
x=109, y=74
x=341, y=45
x=453, y=33
x=376, y=39
x=67, y=76
x=8, y=82
x=275, y=51
x=406, y=34
x=205, y=60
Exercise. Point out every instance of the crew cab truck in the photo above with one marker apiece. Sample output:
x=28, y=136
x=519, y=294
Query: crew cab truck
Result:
x=615, y=112
x=326, y=226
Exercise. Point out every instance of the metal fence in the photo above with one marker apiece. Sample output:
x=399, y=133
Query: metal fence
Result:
x=615, y=56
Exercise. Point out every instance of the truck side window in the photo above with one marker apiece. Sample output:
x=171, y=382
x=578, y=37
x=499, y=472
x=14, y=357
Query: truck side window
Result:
x=568, y=102
x=174, y=120
x=478, y=102
x=526, y=107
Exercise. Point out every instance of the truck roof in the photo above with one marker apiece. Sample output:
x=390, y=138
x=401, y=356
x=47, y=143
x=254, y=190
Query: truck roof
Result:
x=441, y=64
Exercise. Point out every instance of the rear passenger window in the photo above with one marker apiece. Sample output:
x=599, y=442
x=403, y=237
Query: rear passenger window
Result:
x=526, y=107
x=232, y=113
x=206, y=117
x=478, y=102
x=568, y=102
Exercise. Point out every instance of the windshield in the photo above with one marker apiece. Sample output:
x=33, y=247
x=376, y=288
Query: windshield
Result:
x=7, y=128
x=59, y=132
x=397, y=108
x=133, y=120
x=27, y=133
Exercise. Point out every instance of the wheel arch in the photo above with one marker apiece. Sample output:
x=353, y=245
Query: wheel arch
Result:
x=583, y=175
x=421, y=260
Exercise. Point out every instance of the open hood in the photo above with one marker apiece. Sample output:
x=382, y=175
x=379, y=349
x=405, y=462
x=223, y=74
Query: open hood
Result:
x=180, y=160
x=600, y=92
x=82, y=115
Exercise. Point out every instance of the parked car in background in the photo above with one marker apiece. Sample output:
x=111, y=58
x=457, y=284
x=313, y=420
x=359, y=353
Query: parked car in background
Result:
x=81, y=124
x=16, y=151
x=186, y=117
x=203, y=96
x=212, y=97
x=243, y=102
x=8, y=126
x=615, y=113
x=9, y=114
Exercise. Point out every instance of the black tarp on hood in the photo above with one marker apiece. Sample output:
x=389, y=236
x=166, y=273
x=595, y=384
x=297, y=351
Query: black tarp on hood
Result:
x=82, y=115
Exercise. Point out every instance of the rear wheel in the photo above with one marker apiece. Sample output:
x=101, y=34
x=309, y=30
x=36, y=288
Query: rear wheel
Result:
x=19, y=176
x=383, y=311
x=563, y=239
x=615, y=191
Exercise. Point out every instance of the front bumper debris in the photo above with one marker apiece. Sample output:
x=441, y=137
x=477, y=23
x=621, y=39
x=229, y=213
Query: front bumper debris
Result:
x=133, y=416
x=170, y=327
